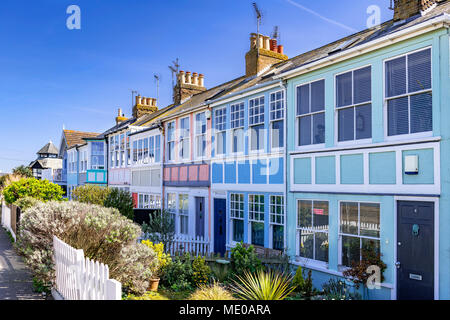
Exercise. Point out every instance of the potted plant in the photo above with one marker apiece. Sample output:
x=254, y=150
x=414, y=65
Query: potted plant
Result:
x=163, y=260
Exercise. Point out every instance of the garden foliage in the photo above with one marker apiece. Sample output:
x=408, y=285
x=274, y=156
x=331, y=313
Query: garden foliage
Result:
x=201, y=271
x=244, y=259
x=178, y=274
x=30, y=187
x=121, y=200
x=104, y=235
x=212, y=292
x=91, y=194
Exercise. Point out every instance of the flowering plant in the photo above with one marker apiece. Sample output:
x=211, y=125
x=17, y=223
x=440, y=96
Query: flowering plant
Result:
x=163, y=258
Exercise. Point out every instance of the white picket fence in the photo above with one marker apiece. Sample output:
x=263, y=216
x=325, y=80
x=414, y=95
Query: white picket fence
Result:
x=6, y=219
x=79, y=278
x=181, y=244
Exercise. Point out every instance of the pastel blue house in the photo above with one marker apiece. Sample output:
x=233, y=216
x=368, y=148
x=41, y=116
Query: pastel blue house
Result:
x=248, y=164
x=368, y=143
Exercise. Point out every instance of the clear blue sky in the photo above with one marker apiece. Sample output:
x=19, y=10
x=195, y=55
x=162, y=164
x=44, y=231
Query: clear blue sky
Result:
x=51, y=76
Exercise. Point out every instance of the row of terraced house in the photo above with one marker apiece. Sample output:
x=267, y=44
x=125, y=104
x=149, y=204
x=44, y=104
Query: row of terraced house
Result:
x=318, y=155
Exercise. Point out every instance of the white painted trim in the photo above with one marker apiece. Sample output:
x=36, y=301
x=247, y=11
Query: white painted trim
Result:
x=398, y=188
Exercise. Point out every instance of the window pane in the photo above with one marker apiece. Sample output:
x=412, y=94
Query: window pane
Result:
x=278, y=237
x=277, y=134
x=421, y=113
x=398, y=116
x=221, y=142
x=258, y=234
x=304, y=131
x=304, y=214
x=238, y=140
x=319, y=128
x=349, y=218
x=364, y=122
x=321, y=246
x=238, y=230
x=346, y=124
x=306, y=244
x=419, y=71
x=318, y=96
x=350, y=250
x=257, y=137
x=362, y=87
x=303, y=99
x=369, y=220
x=344, y=89
x=396, y=77
x=369, y=244
x=320, y=216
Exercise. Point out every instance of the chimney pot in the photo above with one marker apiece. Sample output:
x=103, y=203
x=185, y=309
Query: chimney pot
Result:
x=188, y=77
x=266, y=43
x=201, y=80
x=120, y=112
x=138, y=99
x=195, y=79
x=261, y=41
x=253, y=37
x=280, y=49
x=273, y=45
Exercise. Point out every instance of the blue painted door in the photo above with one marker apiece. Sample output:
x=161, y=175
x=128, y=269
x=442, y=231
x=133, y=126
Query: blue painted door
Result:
x=415, y=250
x=220, y=225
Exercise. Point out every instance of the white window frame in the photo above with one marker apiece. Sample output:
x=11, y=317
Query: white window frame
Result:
x=183, y=213
x=173, y=209
x=233, y=129
x=354, y=106
x=198, y=135
x=271, y=121
x=309, y=261
x=234, y=216
x=274, y=214
x=185, y=137
x=217, y=131
x=169, y=142
x=250, y=126
x=253, y=212
x=341, y=234
x=408, y=136
x=311, y=114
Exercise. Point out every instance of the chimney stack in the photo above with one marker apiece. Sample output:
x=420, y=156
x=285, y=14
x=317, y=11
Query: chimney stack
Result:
x=188, y=84
x=144, y=106
x=404, y=9
x=120, y=117
x=269, y=54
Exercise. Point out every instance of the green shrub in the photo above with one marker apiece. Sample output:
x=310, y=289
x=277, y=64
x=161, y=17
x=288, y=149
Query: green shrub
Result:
x=201, y=271
x=91, y=194
x=122, y=201
x=178, y=274
x=161, y=227
x=39, y=189
x=263, y=285
x=149, y=295
x=303, y=285
x=244, y=259
x=213, y=292
x=103, y=233
x=298, y=281
x=338, y=290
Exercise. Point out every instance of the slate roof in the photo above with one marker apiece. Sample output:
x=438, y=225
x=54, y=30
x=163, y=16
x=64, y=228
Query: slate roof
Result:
x=49, y=148
x=74, y=138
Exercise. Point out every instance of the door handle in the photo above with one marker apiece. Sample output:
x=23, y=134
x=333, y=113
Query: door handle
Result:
x=397, y=265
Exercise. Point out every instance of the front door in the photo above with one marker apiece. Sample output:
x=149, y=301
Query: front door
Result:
x=200, y=216
x=219, y=225
x=415, y=250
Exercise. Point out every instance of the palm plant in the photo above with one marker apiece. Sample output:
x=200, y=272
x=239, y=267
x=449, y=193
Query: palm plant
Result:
x=263, y=285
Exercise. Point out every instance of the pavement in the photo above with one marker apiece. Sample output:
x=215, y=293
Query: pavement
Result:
x=15, y=278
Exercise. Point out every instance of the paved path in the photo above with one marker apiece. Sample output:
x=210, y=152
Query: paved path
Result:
x=15, y=278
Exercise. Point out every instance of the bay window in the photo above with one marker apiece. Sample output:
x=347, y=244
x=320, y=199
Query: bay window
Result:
x=256, y=217
x=97, y=156
x=237, y=127
x=312, y=230
x=311, y=113
x=409, y=94
x=256, y=123
x=237, y=217
x=359, y=229
x=220, y=120
x=277, y=119
x=353, y=104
